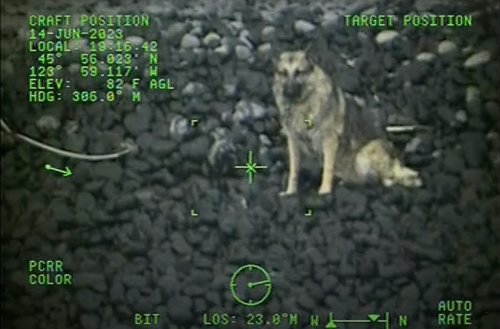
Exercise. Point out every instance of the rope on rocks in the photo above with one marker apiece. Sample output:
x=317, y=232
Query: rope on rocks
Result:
x=127, y=146
x=405, y=128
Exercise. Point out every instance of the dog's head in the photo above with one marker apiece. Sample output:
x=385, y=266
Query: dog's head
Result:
x=293, y=71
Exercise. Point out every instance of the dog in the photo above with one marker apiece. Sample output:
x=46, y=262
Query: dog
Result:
x=317, y=122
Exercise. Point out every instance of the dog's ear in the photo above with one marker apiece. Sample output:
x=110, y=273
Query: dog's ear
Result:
x=274, y=60
x=307, y=50
x=275, y=54
x=312, y=53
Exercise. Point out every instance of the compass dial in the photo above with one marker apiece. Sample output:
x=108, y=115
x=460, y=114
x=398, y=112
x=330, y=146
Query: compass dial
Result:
x=250, y=285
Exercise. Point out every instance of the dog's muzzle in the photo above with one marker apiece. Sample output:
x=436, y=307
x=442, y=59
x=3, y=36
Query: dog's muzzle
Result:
x=292, y=90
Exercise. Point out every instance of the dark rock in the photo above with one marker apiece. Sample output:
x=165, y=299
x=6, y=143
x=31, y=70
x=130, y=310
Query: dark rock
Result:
x=88, y=300
x=180, y=244
x=86, y=201
x=474, y=147
x=352, y=203
x=348, y=80
x=96, y=281
x=190, y=41
x=89, y=321
x=134, y=281
x=137, y=123
x=398, y=268
x=306, y=302
x=453, y=162
x=179, y=309
x=196, y=149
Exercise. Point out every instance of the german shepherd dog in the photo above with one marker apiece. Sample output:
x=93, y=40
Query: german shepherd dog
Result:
x=317, y=122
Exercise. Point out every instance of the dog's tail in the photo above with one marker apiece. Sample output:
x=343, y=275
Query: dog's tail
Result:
x=395, y=129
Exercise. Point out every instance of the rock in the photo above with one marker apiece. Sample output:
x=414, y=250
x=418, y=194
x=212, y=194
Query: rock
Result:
x=163, y=147
x=424, y=252
x=477, y=59
x=89, y=321
x=413, y=145
x=473, y=100
x=88, y=300
x=196, y=149
x=134, y=281
x=7, y=69
x=223, y=50
x=212, y=40
x=474, y=147
x=330, y=19
x=453, y=162
x=461, y=116
x=416, y=71
x=135, y=40
x=264, y=50
x=446, y=47
x=253, y=82
x=425, y=57
x=397, y=268
x=243, y=52
x=352, y=203
x=193, y=89
x=137, y=123
x=348, y=80
x=179, y=309
x=95, y=281
x=268, y=33
x=221, y=155
x=409, y=299
x=303, y=26
x=245, y=39
x=48, y=123
x=85, y=200
x=306, y=302
x=247, y=110
x=426, y=5
x=386, y=36
x=174, y=32
x=410, y=292
x=180, y=245
x=75, y=142
x=180, y=128
x=190, y=41
x=230, y=88
x=492, y=109
x=445, y=114
x=109, y=170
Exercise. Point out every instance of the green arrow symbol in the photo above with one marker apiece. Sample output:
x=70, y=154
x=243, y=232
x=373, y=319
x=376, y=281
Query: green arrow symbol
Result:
x=331, y=324
x=373, y=317
x=66, y=172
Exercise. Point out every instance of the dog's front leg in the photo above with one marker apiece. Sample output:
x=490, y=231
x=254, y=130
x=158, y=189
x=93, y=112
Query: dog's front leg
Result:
x=330, y=145
x=293, y=166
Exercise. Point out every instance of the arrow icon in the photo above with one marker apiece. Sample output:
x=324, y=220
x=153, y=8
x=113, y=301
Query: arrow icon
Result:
x=331, y=323
x=373, y=317
x=66, y=172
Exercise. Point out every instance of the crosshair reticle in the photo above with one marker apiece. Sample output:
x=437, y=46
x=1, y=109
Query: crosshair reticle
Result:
x=250, y=167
